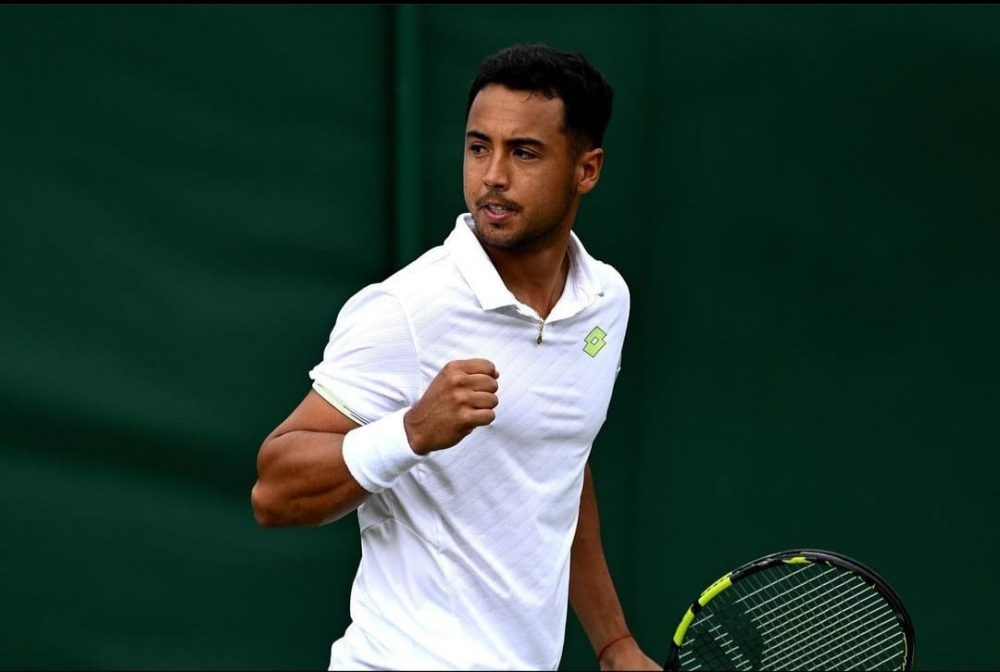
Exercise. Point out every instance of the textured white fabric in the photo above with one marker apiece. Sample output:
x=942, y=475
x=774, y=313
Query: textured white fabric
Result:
x=465, y=558
x=379, y=453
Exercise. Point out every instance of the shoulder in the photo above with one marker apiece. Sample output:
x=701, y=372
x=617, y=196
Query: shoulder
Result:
x=426, y=279
x=600, y=274
x=372, y=313
x=613, y=280
x=425, y=284
x=615, y=295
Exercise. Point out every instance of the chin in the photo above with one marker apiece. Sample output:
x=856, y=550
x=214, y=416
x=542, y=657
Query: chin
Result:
x=493, y=235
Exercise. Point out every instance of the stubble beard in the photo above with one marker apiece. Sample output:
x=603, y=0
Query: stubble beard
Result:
x=532, y=238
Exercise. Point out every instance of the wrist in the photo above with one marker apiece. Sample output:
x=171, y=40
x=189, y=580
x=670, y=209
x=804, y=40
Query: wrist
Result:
x=378, y=453
x=611, y=644
x=412, y=436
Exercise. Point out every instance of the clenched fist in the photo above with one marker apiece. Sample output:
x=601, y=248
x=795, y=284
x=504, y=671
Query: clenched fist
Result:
x=461, y=397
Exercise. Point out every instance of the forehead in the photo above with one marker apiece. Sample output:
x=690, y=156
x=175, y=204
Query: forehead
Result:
x=506, y=112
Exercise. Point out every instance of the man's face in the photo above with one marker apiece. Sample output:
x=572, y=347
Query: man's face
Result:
x=521, y=177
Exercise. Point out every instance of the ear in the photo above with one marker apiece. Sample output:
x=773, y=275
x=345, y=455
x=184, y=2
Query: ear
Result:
x=588, y=169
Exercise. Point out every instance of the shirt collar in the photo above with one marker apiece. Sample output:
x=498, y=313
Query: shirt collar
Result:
x=478, y=270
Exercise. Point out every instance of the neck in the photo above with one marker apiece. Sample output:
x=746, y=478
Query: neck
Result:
x=536, y=279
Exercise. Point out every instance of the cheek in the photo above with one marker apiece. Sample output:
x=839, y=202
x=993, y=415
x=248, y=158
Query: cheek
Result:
x=557, y=184
x=468, y=188
x=468, y=174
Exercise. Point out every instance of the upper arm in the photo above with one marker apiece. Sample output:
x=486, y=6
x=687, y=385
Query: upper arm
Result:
x=301, y=476
x=315, y=414
x=370, y=366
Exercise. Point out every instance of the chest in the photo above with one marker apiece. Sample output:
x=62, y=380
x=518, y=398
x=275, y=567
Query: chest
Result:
x=556, y=377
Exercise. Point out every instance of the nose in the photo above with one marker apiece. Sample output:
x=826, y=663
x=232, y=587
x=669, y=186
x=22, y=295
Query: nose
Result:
x=495, y=176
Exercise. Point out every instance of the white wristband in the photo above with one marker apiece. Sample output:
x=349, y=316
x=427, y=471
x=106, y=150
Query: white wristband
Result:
x=378, y=453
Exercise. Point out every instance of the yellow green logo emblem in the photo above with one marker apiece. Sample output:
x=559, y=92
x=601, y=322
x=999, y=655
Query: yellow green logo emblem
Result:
x=594, y=341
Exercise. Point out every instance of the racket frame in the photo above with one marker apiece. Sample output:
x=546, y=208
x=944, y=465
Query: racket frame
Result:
x=796, y=557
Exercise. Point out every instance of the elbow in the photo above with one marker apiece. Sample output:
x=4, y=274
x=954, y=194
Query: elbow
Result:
x=264, y=510
x=263, y=501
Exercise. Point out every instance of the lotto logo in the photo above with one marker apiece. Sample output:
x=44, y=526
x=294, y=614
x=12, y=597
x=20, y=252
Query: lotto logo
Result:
x=594, y=341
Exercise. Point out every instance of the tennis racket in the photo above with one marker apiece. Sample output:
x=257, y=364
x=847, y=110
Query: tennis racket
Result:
x=795, y=610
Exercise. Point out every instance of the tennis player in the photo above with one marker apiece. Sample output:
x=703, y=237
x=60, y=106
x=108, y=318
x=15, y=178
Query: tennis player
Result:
x=457, y=401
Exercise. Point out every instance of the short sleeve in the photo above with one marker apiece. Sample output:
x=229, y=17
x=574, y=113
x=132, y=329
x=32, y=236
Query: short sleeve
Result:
x=369, y=367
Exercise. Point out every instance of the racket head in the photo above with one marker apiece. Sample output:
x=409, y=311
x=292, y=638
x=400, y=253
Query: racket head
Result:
x=807, y=609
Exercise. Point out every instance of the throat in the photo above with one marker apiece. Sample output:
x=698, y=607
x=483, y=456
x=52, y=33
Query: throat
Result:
x=542, y=297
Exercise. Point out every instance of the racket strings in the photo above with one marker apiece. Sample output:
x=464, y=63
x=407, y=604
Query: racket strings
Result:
x=796, y=617
x=828, y=627
x=825, y=624
x=836, y=653
x=823, y=610
x=708, y=616
x=766, y=597
x=796, y=646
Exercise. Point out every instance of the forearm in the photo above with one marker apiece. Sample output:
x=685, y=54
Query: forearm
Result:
x=303, y=481
x=591, y=590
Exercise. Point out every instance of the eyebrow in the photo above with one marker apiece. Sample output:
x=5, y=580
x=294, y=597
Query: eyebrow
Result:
x=530, y=142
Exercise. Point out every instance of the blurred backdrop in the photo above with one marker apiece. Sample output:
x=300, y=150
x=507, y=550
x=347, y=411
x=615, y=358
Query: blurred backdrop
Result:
x=804, y=200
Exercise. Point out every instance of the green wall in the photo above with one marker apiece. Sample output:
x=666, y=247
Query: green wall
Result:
x=803, y=199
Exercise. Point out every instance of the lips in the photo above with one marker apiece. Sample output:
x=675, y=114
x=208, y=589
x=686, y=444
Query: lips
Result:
x=496, y=212
x=497, y=202
x=498, y=209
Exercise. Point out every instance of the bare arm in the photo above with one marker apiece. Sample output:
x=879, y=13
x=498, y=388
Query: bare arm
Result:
x=592, y=592
x=302, y=479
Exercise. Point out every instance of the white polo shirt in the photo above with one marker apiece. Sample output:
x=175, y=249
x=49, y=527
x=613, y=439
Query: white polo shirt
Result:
x=465, y=559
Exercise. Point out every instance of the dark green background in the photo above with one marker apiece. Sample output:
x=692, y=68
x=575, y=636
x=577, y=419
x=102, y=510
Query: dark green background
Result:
x=803, y=199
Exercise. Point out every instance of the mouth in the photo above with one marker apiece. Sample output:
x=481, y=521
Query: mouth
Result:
x=498, y=211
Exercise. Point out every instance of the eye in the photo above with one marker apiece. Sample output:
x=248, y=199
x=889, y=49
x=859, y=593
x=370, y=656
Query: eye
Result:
x=524, y=154
x=476, y=149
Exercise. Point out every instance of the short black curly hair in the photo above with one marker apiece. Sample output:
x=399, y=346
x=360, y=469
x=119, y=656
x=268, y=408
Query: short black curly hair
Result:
x=585, y=93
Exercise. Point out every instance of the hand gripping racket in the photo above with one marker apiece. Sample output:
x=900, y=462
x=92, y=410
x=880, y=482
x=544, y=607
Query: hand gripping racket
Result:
x=795, y=610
